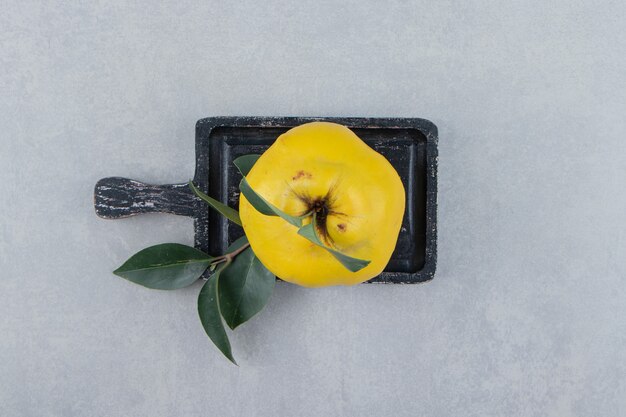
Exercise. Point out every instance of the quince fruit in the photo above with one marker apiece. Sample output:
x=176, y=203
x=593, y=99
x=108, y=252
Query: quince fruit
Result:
x=355, y=194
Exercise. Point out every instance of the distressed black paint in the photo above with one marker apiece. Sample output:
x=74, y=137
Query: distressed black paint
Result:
x=409, y=144
x=117, y=197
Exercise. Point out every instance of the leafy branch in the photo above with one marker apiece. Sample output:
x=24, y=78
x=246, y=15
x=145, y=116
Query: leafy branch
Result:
x=238, y=289
x=240, y=285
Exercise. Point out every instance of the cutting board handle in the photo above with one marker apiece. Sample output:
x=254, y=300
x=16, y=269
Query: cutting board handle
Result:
x=117, y=197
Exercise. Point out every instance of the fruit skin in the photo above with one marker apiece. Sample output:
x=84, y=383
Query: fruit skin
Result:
x=356, y=192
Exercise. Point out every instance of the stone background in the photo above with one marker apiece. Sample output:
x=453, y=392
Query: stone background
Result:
x=527, y=313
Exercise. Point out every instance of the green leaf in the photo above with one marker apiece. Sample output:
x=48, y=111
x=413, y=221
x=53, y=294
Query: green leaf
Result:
x=230, y=213
x=237, y=244
x=310, y=232
x=210, y=316
x=245, y=286
x=245, y=163
x=168, y=266
x=265, y=207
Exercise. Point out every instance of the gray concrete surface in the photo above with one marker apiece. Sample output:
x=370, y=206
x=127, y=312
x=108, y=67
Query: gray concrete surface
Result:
x=527, y=313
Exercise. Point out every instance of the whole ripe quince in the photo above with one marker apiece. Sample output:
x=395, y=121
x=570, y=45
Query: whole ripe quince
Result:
x=355, y=193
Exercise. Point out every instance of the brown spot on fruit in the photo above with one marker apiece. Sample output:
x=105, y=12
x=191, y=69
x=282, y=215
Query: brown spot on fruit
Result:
x=342, y=227
x=302, y=174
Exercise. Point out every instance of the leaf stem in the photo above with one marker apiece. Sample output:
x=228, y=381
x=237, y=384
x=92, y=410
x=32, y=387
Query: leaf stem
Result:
x=305, y=215
x=228, y=257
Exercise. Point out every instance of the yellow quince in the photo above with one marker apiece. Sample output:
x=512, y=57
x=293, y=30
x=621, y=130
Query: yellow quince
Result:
x=356, y=195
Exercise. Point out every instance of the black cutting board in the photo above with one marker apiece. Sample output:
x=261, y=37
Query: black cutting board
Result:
x=409, y=144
